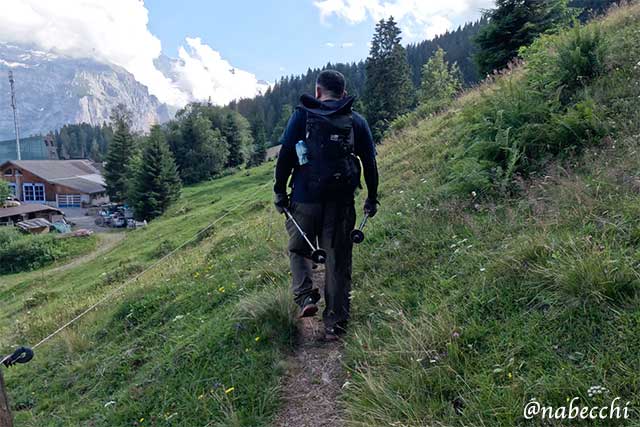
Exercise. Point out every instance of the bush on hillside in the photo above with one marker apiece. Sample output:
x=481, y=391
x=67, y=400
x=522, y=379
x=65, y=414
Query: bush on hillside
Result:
x=28, y=253
x=532, y=115
x=20, y=252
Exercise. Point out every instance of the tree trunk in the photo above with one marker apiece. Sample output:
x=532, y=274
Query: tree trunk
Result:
x=5, y=413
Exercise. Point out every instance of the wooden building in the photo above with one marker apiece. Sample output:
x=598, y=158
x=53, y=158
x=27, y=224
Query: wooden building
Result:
x=59, y=183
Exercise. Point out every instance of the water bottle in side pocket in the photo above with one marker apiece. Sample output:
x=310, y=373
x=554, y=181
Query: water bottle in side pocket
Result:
x=301, y=150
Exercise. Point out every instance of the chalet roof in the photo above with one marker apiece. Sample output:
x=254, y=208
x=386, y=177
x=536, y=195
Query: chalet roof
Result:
x=79, y=175
x=27, y=209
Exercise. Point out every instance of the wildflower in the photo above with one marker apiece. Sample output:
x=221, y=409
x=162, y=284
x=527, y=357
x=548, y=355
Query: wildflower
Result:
x=229, y=390
x=510, y=375
x=201, y=397
x=141, y=420
x=482, y=270
x=257, y=339
x=178, y=317
x=109, y=403
x=221, y=289
x=474, y=194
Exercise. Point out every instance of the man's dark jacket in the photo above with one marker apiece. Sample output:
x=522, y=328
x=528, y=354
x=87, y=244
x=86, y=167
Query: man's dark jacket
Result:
x=296, y=131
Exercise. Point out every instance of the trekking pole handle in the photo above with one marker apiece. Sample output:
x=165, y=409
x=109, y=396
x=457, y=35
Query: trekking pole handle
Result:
x=286, y=211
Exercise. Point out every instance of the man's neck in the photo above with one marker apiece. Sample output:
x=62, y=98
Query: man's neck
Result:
x=328, y=98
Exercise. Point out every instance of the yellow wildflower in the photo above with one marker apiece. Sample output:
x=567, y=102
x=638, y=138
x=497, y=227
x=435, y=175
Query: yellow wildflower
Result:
x=229, y=390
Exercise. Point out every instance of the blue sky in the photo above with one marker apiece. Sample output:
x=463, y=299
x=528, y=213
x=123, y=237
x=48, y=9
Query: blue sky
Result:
x=274, y=37
x=224, y=48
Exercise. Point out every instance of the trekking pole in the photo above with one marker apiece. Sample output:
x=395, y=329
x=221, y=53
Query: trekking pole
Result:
x=318, y=255
x=357, y=235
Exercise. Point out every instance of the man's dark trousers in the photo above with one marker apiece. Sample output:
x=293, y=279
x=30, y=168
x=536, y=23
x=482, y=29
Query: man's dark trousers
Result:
x=331, y=224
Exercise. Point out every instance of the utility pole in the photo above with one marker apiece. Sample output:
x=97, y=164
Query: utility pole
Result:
x=14, y=106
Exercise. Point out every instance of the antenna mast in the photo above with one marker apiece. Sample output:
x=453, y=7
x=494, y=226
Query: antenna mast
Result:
x=14, y=106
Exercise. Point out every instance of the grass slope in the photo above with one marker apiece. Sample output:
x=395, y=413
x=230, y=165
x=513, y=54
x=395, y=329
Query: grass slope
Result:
x=473, y=299
x=503, y=267
x=182, y=345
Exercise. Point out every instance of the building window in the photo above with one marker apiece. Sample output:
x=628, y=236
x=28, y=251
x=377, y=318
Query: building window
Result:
x=8, y=172
x=33, y=192
x=12, y=188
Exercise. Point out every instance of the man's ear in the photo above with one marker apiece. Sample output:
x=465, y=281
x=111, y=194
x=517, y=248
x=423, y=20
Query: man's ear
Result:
x=345, y=94
x=318, y=92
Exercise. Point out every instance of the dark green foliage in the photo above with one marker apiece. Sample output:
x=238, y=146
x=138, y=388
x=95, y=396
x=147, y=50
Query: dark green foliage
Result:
x=205, y=139
x=591, y=8
x=233, y=136
x=156, y=183
x=83, y=141
x=459, y=48
x=389, y=91
x=514, y=24
x=527, y=119
x=440, y=81
x=118, y=155
x=259, y=144
x=25, y=252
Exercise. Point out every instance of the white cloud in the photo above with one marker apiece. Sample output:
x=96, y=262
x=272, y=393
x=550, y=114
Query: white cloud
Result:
x=115, y=31
x=204, y=74
x=419, y=19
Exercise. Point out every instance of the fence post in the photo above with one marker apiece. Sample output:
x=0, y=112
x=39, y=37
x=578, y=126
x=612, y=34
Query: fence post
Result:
x=5, y=412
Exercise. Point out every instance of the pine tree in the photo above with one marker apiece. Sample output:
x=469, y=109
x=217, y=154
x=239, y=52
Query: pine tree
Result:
x=514, y=24
x=260, y=144
x=118, y=155
x=389, y=90
x=440, y=82
x=156, y=183
x=233, y=136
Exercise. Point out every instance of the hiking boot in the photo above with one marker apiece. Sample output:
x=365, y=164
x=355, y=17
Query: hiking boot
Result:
x=309, y=307
x=332, y=334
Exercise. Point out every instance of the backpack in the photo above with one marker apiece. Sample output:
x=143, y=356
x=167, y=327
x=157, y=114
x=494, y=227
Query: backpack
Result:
x=332, y=169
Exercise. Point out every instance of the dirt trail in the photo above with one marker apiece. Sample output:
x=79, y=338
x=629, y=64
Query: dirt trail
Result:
x=314, y=379
x=107, y=242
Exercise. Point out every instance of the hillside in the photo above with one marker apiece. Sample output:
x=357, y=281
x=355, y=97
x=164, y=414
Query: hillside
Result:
x=54, y=90
x=502, y=267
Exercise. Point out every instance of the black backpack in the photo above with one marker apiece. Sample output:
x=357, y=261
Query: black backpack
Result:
x=332, y=170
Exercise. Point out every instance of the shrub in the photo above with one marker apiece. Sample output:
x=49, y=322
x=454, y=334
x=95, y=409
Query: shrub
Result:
x=8, y=235
x=29, y=253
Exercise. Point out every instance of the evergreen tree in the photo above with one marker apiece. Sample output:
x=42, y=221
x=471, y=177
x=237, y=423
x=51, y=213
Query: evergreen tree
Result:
x=440, y=82
x=278, y=130
x=389, y=91
x=514, y=24
x=156, y=183
x=231, y=133
x=260, y=144
x=119, y=154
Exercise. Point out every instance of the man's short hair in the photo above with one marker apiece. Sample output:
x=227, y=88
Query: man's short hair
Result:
x=332, y=81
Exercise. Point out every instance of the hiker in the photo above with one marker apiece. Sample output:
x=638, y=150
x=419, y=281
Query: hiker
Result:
x=319, y=149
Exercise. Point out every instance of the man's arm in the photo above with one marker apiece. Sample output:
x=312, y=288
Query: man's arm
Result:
x=365, y=149
x=288, y=159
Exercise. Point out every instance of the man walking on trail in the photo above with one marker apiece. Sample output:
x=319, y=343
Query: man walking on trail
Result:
x=320, y=150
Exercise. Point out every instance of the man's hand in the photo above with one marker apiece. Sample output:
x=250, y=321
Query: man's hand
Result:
x=371, y=207
x=281, y=201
